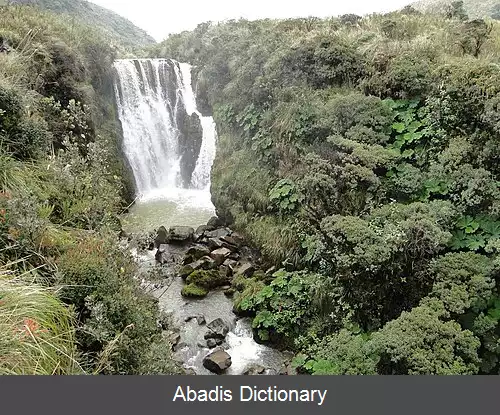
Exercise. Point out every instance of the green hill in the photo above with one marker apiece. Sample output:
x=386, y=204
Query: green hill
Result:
x=114, y=25
x=474, y=8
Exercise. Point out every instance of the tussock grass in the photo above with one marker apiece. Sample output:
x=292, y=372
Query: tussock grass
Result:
x=36, y=330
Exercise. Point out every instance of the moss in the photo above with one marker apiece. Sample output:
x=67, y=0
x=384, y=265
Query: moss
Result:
x=194, y=291
x=208, y=279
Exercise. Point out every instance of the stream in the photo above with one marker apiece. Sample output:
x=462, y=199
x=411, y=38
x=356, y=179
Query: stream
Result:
x=170, y=148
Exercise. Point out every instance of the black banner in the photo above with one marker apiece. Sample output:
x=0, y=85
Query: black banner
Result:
x=186, y=395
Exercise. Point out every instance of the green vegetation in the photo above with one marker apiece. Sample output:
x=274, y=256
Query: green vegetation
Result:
x=122, y=32
x=361, y=156
x=69, y=302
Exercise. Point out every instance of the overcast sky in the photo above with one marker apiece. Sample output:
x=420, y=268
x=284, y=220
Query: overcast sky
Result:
x=162, y=17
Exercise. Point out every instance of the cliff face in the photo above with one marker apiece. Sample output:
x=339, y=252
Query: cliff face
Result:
x=114, y=25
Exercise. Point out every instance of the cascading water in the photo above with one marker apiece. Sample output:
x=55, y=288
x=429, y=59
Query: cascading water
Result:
x=169, y=145
x=170, y=148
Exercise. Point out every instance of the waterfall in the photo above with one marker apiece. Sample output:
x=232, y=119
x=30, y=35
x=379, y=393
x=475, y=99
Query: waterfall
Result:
x=169, y=145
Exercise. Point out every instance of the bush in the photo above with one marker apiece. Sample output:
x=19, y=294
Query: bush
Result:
x=118, y=321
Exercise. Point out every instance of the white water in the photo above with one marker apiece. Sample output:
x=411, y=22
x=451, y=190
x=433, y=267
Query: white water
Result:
x=150, y=94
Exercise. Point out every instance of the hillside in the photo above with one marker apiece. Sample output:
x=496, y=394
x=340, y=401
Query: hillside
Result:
x=474, y=8
x=69, y=300
x=362, y=159
x=114, y=25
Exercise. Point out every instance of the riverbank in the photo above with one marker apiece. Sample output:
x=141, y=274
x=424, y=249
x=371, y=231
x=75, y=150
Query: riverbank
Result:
x=207, y=335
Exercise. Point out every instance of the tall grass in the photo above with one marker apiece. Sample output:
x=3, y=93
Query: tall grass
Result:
x=36, y=330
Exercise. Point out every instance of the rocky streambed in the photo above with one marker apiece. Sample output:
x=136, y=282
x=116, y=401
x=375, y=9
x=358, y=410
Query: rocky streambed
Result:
x=195, y=269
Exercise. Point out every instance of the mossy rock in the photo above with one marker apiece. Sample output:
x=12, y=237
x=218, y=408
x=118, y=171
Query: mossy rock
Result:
x=208, y=279
x=193, y=291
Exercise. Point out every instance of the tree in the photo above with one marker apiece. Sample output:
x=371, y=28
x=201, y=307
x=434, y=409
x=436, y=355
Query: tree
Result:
x=474, y=34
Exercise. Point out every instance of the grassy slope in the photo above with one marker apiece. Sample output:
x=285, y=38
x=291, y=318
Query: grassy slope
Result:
x=116, y=26
x=475, y=8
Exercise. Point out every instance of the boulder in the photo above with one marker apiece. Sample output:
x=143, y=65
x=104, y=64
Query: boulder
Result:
x=220, y=255
x=214, y=243
x=246, y=270
x=238, y=238
x=213, y=223
x=193, y=291
x=217, y=329
x=180, y=234
x=218, y=233
x=162, y=255
x=161, y=237
x=217, y=362
x=198, y=251
x=200, y=319
x=200, y=230
x=230, y=241
x=203, y=263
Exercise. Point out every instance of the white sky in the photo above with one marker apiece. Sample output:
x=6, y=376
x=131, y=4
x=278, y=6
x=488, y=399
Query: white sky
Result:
x=162, y=17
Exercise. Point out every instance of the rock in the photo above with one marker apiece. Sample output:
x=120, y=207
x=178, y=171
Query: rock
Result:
x=193, y=291
x=220, y=255
x=198, y=251
x=214, y=243
x=254, y=370
x=200, y=319
x=188, y=319
x=230, y=240
x=229, y=292
x=235, y=256
x=162, y=255
x=246, y=269
x=238, y=238
x=229, y=246
x=211, y=343
x=180, y=234
x=217, y=362
x=231, y=263
x=213, y=223
x=218, y=233
x=161, y=237
x=208, y=279
x=185, y=271
x=189, y=371
x=217, y=329
x=204, y=263
x=189, y=143
x=174, y=338
x=226, y=272
x=200, y=230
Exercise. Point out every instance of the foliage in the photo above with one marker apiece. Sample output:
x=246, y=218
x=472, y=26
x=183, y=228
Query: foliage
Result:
x=119, y=29
x=364, y=152
x=282, y=307
x=36, y=330
x=97, y=279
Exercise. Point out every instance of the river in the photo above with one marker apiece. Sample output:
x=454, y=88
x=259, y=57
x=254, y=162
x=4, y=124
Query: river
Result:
x=155, y=101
